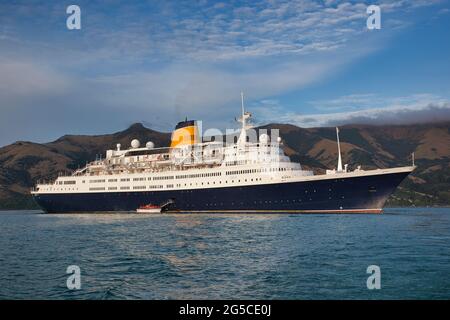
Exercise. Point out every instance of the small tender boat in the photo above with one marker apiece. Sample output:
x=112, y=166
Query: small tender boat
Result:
x=149, y=208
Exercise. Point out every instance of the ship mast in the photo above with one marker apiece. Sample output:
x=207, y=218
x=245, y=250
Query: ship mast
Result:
x=243, y=136
x=339, y=167
x=243, y=111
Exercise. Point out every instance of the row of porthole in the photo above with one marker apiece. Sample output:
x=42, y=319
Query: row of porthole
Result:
x=57, y=189
x=260, y=202
x=179, y=185
x=214, y=182
x=256, y=202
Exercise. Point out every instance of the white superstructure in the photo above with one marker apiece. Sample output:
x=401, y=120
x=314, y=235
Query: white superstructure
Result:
x=189, y=163
x=185, y=166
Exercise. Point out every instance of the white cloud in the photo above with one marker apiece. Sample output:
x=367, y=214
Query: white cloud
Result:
x=165, y=60
x=364, y=109
x=213, y=32
x=27, y=80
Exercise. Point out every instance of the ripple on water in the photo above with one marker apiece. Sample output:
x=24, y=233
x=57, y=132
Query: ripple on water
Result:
x=124, y=256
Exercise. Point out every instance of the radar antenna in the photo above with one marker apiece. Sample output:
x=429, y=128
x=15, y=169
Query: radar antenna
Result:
x=245, y=115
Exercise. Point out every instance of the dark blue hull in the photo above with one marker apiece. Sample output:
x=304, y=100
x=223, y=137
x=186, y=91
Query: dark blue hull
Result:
x=356, y=194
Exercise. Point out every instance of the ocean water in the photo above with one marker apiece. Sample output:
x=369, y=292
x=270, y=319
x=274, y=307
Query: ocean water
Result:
x=285, y=256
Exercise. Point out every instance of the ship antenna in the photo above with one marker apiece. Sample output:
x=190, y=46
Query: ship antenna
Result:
x=243, y=136
x=412, y=156
x=243, y=112
x=339, y=168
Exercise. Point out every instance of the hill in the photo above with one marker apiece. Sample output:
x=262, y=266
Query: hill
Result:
x=23, y=163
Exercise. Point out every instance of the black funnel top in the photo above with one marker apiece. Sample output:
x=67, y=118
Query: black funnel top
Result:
x=184, y=124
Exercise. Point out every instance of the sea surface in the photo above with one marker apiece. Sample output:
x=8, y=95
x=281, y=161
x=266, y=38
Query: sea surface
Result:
x=221, y=256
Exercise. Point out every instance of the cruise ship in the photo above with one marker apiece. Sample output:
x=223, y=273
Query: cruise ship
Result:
x=195, y=174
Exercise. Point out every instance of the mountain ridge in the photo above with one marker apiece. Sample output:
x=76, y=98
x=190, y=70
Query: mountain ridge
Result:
x=22, y=163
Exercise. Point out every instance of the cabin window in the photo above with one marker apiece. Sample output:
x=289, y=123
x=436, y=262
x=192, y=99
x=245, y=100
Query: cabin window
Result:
x=96, y=189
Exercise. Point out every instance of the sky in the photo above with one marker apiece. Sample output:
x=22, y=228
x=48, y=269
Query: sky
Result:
x=304, y=62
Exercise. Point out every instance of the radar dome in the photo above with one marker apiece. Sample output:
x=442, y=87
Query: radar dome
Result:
x=264, y=138
x=279, y=139
x=135, y=143
x=149, y=145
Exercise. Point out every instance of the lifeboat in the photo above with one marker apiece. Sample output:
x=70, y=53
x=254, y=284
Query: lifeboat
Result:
x=149, y=208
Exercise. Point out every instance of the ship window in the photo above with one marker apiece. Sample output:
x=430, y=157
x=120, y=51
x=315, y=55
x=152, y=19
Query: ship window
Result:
x=96, y=189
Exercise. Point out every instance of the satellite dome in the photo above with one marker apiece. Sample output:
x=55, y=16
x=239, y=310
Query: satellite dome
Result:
x=149, y=145
x=135, y=143
x=264, y=138
x=279, y=139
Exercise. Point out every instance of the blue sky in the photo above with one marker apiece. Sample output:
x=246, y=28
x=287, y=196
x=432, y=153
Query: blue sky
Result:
x=309, y=63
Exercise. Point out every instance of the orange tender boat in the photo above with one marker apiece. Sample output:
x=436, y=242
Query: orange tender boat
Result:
x=149, y=208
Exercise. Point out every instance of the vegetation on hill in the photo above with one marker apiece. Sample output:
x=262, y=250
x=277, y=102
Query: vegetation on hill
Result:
x=24, y=163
